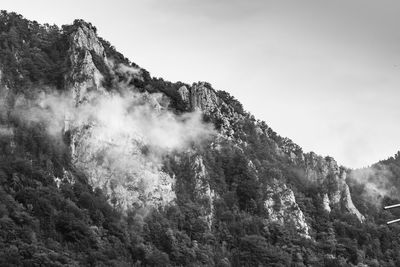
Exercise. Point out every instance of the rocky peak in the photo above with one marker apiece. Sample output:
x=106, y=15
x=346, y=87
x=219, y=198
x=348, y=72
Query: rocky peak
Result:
x=323, y=165
x=200, y=97
x=326, y=173
x=133, y=181
x=203, y=97
x=185, y=95
x=85, y=37
x=348, y=204
x=84, y=75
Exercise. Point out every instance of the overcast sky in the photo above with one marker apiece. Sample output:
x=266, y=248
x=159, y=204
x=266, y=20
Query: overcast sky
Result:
x=324, y=73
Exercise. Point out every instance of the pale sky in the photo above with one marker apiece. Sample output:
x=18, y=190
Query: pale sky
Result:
x=324, y=73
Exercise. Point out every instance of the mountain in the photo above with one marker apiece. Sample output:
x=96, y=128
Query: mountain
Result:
x=102, y=164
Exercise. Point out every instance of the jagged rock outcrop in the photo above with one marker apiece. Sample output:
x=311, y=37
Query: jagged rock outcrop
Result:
x=85, y=49
x=185, y=95
x=84, y=75
x=326, y=202
x=228, y=208
x=203, y=191
x=131, y=179
x=85, y=37
x=282, y=208
x=348, y=204
x=200, y=96
x=203, y=98
x=318, y=170
x=326, y=173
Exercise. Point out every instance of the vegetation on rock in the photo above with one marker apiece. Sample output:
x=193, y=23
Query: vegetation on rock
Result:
x=51, y=216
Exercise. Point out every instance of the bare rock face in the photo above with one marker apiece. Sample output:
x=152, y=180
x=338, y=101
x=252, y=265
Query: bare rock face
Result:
x=282, y=208
x=203, y=98
x=131, y=179
x=348, y=204
x=84, y=75
x=85, y=38
x=318, y=168
x=145, y=184
x=340, y=196
x=203, y=190
x=326, y=203
x=326, y=173
x=185, y=95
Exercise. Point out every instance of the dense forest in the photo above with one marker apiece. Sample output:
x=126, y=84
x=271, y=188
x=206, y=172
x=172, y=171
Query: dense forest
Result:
x=46, y=223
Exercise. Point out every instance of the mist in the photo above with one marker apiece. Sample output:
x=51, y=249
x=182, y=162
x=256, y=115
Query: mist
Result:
x=377, y=182
x=119, y=138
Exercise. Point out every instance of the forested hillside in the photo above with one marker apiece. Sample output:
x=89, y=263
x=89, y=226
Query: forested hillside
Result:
x=201, y=183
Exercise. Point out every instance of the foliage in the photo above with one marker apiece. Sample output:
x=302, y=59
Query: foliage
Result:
x=44, y=223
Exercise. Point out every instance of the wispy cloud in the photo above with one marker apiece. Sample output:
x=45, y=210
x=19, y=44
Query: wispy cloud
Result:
x=120, y=137
x=377, y=181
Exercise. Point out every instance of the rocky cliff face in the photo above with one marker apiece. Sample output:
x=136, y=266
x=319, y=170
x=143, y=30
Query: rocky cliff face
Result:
x=130, y=180
x=203, y=190
x=194, y=179
x=332, y=178
x=203, y=98
x=282, y=208
x=323, y=172
x=86, y=77
x=185, y=95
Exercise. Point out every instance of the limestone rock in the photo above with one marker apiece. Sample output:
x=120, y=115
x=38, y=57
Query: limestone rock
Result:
x=326, y=173
x=132, y=179
x=282, y=208
x=203, y=98
x=349, y=205
x=203, y=190
x=85, y=38
x=84, y=75
x=185, y=95
x=326, y=203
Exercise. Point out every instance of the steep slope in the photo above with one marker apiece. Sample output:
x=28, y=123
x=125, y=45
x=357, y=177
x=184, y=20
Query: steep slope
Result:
x=95, y=143
x=103, y=164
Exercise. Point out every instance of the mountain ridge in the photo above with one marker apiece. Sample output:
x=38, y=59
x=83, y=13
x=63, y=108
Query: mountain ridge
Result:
x=225, y=195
